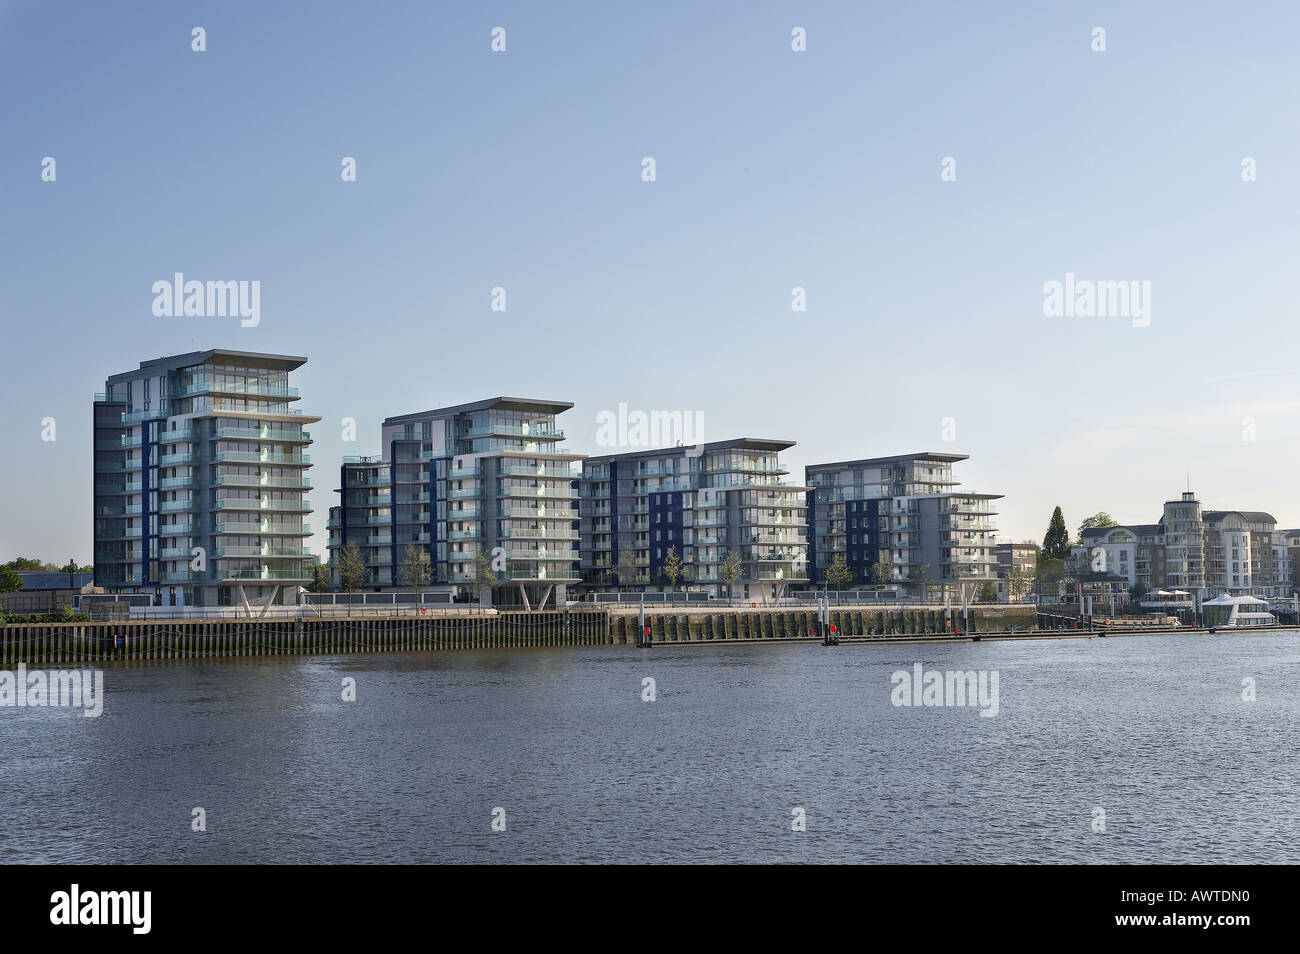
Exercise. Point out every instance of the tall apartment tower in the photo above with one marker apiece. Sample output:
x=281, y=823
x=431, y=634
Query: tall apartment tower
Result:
x=901, y=514
x=704, y=502
x=1184, y=543
x=200, y=480
x=488, y=477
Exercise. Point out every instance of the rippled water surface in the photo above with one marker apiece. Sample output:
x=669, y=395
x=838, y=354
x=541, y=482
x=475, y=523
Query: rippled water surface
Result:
x=1151, y=729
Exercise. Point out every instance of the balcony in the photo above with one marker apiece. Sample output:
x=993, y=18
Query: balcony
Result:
x=541, y=573
x=264, y=435
x=512, y=430
x=174, y=576
x=255, y=503
x=208, y=386
x=135, y=417
x=266, y=573
x=254, y=480
x=263, y=551
x=265, y=457
x=546, y=473
x=540, y=534
x=536, y=513
x=264, y=528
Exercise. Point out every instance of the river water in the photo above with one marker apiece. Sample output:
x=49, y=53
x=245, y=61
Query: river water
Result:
x=739, y=744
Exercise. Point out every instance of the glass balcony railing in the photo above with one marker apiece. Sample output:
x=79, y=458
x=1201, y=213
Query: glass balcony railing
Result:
x=210, y=386
x=513, y=430
x=272, y=552
x=545, y=473
x=255, y=503
x=267, y=435
x=534, y=513
x=257, y=528
x=265, y=457
x=254, y=480
x=266, y=573
x=550, y=493
x=540, y=534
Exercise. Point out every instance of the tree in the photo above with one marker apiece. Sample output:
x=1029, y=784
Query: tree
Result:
x=320, y=579
x=882, y=572
x=10, y=581
x=351, y=568
x=1099, y=519
x=415, y=571
x=1019, y=583
x=730, y=569
x=627, y=569
x=25, y=564
x=72, y=567
x=988, y=593
x=839, y=575
x=922, y=580
x=1056, y=543
x=1049, y=575
x=484, y=579
x=673, y=567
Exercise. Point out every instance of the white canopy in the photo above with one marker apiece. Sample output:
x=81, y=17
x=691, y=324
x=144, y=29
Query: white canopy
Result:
x=1226, y=600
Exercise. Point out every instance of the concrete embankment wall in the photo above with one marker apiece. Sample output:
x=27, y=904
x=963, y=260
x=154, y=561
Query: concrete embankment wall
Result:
x=75, y=643
x=695, y=625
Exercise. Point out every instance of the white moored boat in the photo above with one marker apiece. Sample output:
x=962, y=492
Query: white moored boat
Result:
x=1236, y=612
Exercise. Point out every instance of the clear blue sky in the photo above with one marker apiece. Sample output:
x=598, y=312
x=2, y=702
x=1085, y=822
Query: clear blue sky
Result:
x=775, y=169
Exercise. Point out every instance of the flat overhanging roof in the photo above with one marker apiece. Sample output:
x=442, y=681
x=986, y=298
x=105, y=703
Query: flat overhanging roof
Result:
x=877, y=461
x=250, y=359
x=524, y=405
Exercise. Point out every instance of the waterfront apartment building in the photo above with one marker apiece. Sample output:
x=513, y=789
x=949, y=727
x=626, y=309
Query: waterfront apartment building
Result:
x=1200, y=552
x=1015, y=565
x=722, y=508
x=489, y=477
x=200, y=480
x=1291, y=538
x=900, y=520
